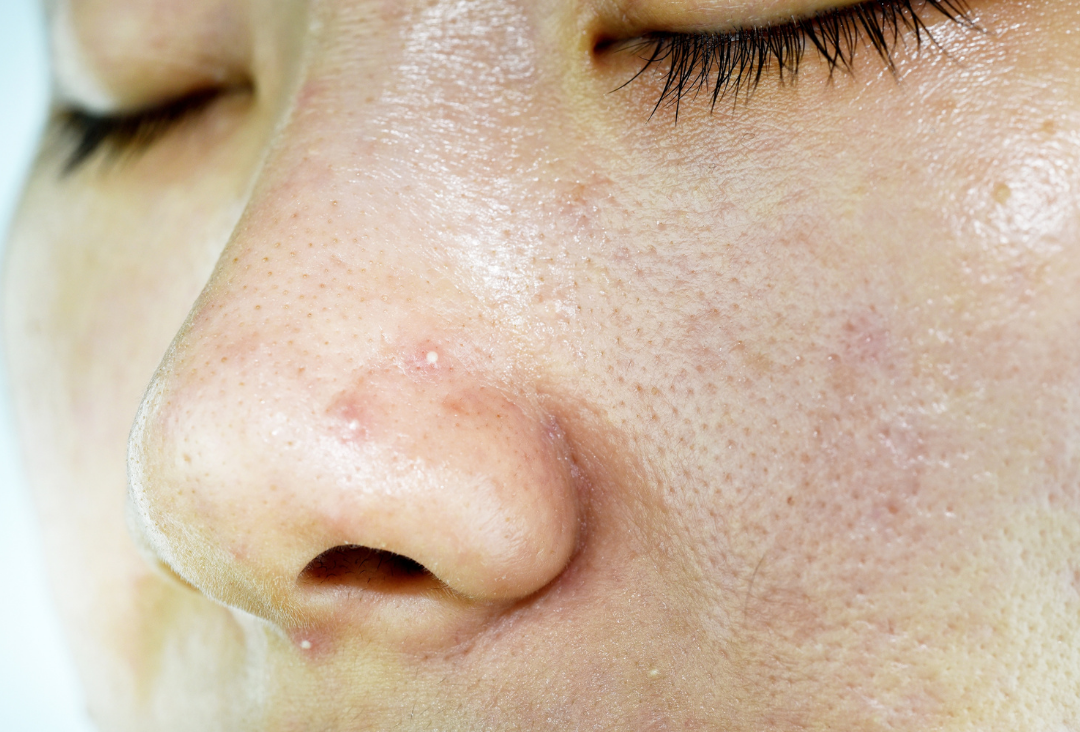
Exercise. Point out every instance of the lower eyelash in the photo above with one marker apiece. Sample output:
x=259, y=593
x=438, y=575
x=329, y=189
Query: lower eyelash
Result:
x=739, y=59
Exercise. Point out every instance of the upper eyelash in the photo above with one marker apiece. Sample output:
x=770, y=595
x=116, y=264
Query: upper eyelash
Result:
x=739, y=59
x=89, y=133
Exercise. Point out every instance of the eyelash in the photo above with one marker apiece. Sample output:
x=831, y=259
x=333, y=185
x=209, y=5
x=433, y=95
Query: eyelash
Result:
x=739, y=59
x=126, y=133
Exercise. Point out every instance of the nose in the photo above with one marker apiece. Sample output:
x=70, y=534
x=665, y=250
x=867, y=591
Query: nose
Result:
x=271, y=480
x=340, y=436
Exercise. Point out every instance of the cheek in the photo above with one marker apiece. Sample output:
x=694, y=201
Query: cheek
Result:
x=864, y=409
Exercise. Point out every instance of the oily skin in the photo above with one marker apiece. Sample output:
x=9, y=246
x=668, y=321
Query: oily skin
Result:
x=763, y=421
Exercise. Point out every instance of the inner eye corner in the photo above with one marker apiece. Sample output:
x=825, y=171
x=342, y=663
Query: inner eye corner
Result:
x=360, y=567
x=608, y=42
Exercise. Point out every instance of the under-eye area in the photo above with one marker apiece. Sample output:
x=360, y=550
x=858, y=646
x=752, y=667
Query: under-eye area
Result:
x=732, y=64
x=360, y=567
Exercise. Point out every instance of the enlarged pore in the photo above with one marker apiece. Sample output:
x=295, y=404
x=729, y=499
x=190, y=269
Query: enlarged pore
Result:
x=359, y=567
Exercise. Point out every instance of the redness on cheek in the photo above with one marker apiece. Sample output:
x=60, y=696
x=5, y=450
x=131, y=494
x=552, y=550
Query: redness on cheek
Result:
x=865, y=338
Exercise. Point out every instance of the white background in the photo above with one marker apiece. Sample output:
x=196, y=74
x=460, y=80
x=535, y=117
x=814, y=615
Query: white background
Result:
x=38, y=688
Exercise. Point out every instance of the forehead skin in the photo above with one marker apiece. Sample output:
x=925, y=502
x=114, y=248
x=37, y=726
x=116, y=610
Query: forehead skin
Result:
x=795, y=380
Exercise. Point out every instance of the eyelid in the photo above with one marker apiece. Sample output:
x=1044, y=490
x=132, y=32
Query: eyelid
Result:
x=123, y=134
x=75, y=83
x=739, y=59
x=115, y=56
x=633, y=18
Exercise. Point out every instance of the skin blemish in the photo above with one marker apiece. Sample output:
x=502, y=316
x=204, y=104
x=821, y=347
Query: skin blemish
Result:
x=352, y=415
x=426, y=357
x=313, y=642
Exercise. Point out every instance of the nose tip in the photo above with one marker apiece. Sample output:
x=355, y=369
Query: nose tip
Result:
x=420, y=475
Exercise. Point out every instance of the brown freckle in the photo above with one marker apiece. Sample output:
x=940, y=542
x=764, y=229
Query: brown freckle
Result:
x=455, y=405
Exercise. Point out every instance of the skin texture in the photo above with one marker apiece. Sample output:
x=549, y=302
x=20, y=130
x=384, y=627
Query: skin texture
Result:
x=767, y=420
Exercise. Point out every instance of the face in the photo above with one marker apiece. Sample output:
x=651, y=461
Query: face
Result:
x=393, y=372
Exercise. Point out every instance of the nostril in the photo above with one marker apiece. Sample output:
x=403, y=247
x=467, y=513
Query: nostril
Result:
x=353, y=566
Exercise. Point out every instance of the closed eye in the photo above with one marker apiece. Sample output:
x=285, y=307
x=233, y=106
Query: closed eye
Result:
x=731, y=63
x=126, y=133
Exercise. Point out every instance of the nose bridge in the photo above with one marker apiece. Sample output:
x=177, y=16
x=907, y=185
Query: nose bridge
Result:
x=340, y=385
x=411, y=168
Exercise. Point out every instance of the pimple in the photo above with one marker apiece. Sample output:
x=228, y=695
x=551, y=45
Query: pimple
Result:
x=313, y=642
x=425, y=357
x=352, y=416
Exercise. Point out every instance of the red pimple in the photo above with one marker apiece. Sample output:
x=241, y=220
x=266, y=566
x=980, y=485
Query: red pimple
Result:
x=352, y=415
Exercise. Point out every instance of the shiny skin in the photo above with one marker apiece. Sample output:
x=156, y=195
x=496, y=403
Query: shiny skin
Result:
x=767, y=420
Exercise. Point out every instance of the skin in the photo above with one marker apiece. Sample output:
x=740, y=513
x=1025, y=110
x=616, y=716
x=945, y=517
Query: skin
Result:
x=766, y=420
